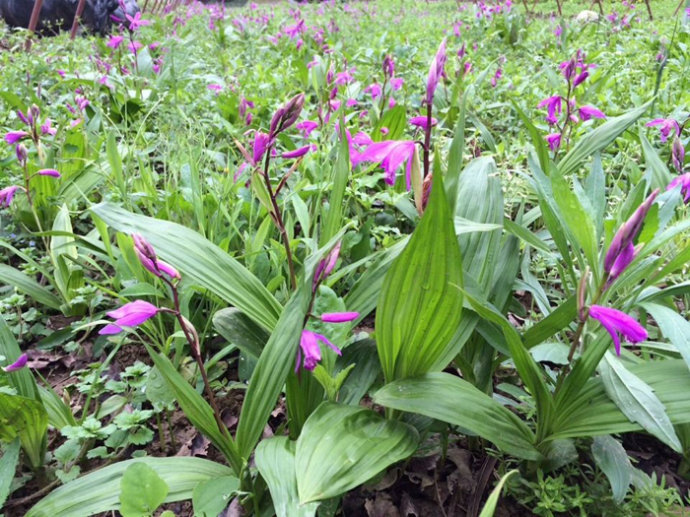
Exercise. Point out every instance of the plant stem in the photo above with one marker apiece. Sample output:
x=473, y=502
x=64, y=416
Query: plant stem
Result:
x=427, y=140
x=278, y=219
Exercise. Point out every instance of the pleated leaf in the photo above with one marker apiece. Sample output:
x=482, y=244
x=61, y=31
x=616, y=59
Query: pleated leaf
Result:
x=99, y=491
x=637, y=401
x=275, y=459
x=420, y=304
x=453, y=400
x=195, y=408
x=657, y=172
x=673, y=326
x=27, y=285
x=239, y=330
x=611, y=458
x=27, y=419
x=598, y=139
x=342, y=447
x=200, y=261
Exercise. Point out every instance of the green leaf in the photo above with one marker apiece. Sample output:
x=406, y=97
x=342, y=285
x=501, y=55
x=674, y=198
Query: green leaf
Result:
x=342, y=447
x=453, y=400
x=541, y=151
x=26, y=418
x=272, y=368
x=525, y=235
x=275, y=459
x=598, y=140
x=28, y=286
x=141, y=491
x=333, y=219
x=673, y=326
x=577, y=218
x=395, y=120
x=200, y=261
x=238, y=329
x=8, y=466
x=556, y=321
x=611, y=458
x=99, y=491
x=637, y=401
x=455, y=154
x=492, y=501
x=21, y=380
x=657, y=175
x=211, y=497
x=196, y=409
x=420, y=304
x=59, y=413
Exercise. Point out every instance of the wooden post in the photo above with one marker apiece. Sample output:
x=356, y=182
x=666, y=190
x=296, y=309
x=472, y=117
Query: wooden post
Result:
x=77, y=16
x=649, y=10
x=35, y=15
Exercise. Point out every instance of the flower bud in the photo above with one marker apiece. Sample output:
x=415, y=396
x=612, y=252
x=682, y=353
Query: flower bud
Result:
x=21, y=153
x=678, y=154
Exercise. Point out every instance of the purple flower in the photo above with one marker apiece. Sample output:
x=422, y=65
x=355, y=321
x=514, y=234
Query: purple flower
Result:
x=588, y=112
x=17, y=365
x=261, y=141
x=135, y=46
x=307, y=127
x=309, y=346
x=678, y=154
x=147, y=257
x=621, y=251
x=580, y=78
x=391, y=154
x=136, y=21
x=15, y=136
x=666, y=126
x=558, y=31
x=435, y=72
x=397, y=83
x=49, y=172
x=215, y=87
x=351, y=103
x=115, y=41
x=615, y=322
x=683, y=180
x=339, y=317
x=553, y=106
x=554, y=140
x=374, y=90
x=326, y=265
x=129, y=315
x=388, y=65
x=422, y=122
x=7, y=194
x=297, y=153
x=46, y=128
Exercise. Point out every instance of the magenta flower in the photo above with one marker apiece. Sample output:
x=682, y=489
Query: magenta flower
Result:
x=683, y=180
x=17, y=365
x=298, y=153
x=588, y=112
x=115, y=41
x=147, y=257
x=391, y=154
x=15, y=136
x=435, y=72
x=215, y=87
x=326, y=265
x=46, y=128
x=621, y=251
x=666, y=125
x=134, y=47
x=129, y=315
x=307, y=127
x=49, y=172
x=7, y=194
x=615, y=322
x=136, y=21
x=339, y=317
x=554, y=140
x=422, y=122
x=309, y=346
x=261, y=141
x=580, y=78
x=553, y=106
x=374, y=90
x=397, y=83
x=351, y=103
x=678, y=154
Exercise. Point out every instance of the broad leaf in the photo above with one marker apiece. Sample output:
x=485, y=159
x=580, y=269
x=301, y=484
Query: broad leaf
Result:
x=275, y=459
x=611, y=458
x=27, y=419
x=636, y=399
x=8, y=467
x=199, y=260
x=342, y=447
x=211, y=497
x=673, y=326
x=142, y=491
x=28, y=286
x=453, y=400
x=420, y=304
x=239, y=330
x=333, y=219
x=99, y=491
x=657, y=175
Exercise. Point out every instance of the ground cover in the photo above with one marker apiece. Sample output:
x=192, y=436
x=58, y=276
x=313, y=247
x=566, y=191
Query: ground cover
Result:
x=375, y=258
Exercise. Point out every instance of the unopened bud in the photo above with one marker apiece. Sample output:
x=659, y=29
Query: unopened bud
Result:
x=678, y=154
x=21, y=153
